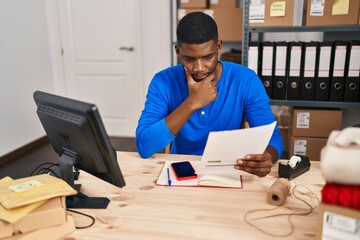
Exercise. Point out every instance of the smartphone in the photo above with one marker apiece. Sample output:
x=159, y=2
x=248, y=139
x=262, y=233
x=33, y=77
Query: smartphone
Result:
x=183, y=170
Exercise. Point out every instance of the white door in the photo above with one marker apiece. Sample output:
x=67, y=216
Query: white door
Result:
x=101, y=53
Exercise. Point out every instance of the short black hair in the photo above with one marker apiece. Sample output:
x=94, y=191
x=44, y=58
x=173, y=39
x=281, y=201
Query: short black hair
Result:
x=196, y=28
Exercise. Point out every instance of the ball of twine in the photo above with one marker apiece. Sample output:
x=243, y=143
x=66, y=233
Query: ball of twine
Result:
x=278, y=192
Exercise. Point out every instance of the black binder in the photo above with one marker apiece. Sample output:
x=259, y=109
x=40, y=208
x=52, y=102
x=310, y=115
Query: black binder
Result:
x=338, y=71
x=267, y=66
x=307, y=84
x=322, y=74
x=295, y=70
x=280, y=71
x=352, y=73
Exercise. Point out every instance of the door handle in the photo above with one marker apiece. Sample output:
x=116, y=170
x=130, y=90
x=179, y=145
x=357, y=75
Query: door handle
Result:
x=130, y=49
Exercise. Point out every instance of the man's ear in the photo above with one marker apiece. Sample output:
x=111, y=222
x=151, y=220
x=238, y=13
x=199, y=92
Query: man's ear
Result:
x=219, y=46
x=177, y=50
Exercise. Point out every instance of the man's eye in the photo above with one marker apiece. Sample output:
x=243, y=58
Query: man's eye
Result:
x=189, y=59
x=208, y=57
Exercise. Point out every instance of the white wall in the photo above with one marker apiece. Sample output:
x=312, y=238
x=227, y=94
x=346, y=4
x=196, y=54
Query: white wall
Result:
x=155, y=37
x=24, y=68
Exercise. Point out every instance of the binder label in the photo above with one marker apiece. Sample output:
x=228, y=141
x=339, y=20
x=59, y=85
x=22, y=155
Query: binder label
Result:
x=324, y=61
x=280, y=60
x=267, y=61
x=295, y=61
x=339, y=61
x=310, y=59
x=253, y=54
x=354, y=62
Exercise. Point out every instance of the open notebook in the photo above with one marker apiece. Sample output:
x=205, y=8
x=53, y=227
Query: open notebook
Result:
x=230, y=180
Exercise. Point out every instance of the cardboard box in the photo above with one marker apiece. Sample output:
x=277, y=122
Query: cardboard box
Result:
x=193, y=4
x=223, y=3
x=336, y=222
x=276, y=13
x=310, y=147
x=314, y=122
x=183, y=11
x=333, y=13
x=229, y=22
x=56, y=232
x=225, y=19
x=51, y=213
x=285, y=137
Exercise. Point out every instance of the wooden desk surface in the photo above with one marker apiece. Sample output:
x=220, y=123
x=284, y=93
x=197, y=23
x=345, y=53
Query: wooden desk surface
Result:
x=142, y=210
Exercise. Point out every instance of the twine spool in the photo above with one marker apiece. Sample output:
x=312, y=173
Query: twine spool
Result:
x=279, y=191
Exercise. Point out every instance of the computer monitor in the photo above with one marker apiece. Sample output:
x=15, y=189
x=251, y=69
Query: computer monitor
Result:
x=76, y=132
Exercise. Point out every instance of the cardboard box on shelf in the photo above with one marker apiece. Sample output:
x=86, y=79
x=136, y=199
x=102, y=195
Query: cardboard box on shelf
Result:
x=308, y=146
x=193, y=4
x=336, y=222
x=314, y=122
x=183, y=11
x=51, y=213
x=285, y=137
x=223, y=3
x=229, y=21
x=225, y=19
x=333, y=12
x=272, y=13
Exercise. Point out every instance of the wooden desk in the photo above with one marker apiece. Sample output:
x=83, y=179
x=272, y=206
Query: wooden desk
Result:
x=142, y=210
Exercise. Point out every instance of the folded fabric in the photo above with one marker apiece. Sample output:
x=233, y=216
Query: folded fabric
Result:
x=341, y=195
x=340, y=158
x=24, y=191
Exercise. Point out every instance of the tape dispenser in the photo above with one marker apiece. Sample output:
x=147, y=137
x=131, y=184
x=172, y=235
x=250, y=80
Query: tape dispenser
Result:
x=297, y=165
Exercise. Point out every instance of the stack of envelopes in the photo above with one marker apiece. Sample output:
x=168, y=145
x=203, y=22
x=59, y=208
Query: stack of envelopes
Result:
x=34, y=208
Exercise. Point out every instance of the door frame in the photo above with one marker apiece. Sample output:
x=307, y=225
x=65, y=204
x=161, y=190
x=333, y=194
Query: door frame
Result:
x=55, y=46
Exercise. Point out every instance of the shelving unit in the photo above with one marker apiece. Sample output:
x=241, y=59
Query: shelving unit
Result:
x=316, y=104
x=248, y=30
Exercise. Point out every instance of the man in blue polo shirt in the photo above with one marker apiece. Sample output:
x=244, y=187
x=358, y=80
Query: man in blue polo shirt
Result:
x=202, y=94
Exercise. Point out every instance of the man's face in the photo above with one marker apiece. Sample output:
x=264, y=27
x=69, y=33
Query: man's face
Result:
x=199, y=60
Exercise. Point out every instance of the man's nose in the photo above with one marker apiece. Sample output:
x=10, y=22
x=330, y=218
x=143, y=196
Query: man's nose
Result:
x=199, y=65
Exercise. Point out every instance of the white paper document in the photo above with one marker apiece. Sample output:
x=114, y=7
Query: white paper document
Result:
x=223, y=148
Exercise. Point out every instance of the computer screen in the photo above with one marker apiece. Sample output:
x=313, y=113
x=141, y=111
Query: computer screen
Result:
x=76, y=132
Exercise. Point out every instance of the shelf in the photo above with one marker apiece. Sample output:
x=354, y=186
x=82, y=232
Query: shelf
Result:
x=316, y=104
x=341, y=28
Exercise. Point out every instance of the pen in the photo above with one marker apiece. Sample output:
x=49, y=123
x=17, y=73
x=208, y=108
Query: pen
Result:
x=168, y=175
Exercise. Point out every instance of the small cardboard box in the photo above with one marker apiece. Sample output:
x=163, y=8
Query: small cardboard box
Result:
x=223, y=3
x=310, y=147
x=276, y=13
x=54, y=232
x=336, y=222
x=314, y=122
x=51, y=213
x=225, y=19
x=333, y=12
x=193, y=3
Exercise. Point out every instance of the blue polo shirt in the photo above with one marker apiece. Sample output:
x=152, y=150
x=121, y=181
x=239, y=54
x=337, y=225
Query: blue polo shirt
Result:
x=241, y=95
